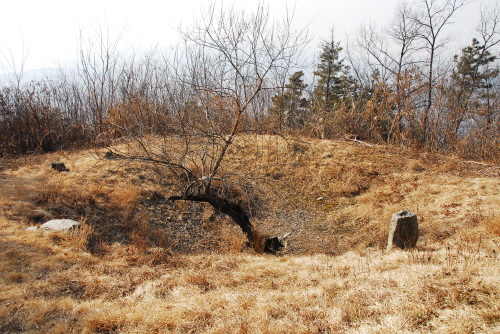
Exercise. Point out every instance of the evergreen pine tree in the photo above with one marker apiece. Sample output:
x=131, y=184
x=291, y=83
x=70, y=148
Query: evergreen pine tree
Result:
x=470, y=89
x=290, y=107
x=334, y=84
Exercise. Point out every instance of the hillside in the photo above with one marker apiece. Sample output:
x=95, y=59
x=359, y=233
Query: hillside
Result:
x=142, y=264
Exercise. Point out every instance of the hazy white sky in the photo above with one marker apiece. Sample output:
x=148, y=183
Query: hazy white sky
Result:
x=49, y=29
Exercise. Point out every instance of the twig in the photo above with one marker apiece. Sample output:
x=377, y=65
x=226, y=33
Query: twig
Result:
x=359, y=141
x=480, y=163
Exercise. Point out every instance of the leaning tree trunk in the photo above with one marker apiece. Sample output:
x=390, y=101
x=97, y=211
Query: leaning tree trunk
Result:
x=236, y=212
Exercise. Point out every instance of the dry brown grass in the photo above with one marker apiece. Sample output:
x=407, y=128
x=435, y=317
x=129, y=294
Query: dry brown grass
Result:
x=140, y=264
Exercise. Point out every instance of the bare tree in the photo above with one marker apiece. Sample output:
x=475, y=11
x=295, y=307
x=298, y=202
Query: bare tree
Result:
x=15, y=64
x=228, y=63
x=98, y=67
x=404, y=31
x=392, y=55
x=432, y=16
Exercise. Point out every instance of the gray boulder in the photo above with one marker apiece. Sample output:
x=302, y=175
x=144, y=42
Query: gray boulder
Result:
x=403, y=231
x=60, y=225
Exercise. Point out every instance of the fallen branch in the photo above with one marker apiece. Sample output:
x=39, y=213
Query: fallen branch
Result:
x=359, y=141
x=480, y=163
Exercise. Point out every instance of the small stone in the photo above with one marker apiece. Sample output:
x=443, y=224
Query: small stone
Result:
x=32, y=228
x=59, y=166
x=320, y=199
x=60, y=225
x=403, y=231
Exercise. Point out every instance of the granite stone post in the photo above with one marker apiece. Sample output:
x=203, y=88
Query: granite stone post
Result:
x=403, y=231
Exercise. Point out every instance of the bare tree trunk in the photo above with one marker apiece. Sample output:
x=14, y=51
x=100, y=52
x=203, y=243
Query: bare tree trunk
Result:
x=233, y=210
x=432, y=18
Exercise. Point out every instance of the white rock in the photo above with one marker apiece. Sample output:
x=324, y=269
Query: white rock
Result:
x=59, y=224
x=32, y=228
